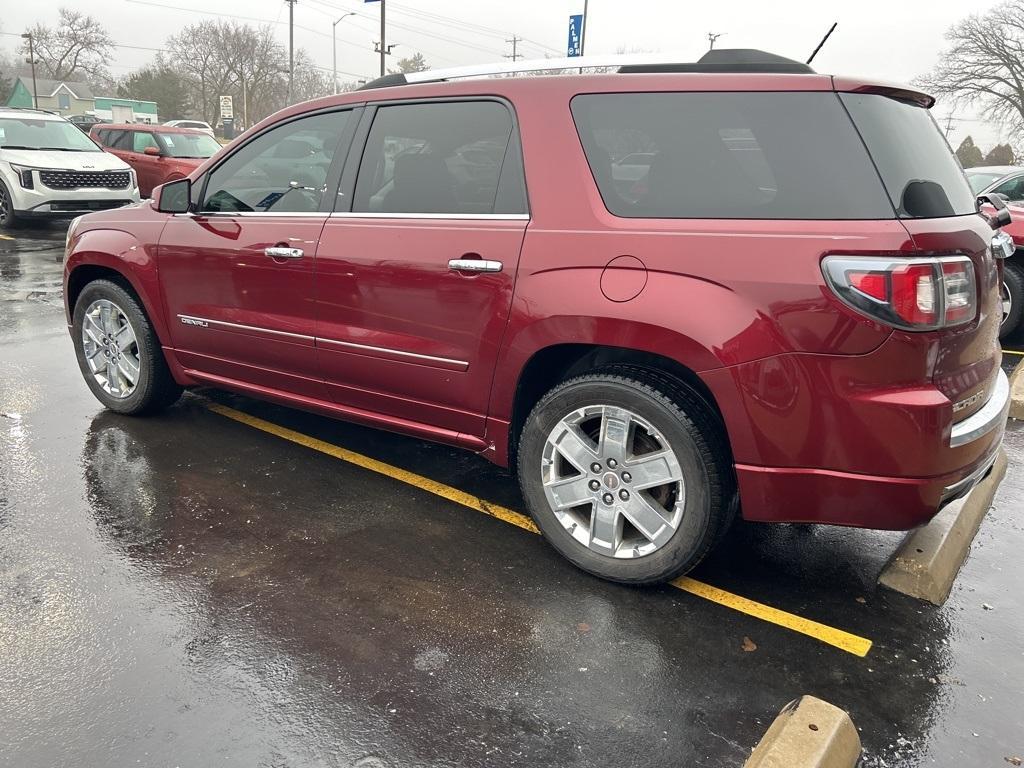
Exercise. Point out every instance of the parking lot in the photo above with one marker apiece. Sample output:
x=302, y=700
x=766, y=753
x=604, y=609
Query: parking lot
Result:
x=235, y=583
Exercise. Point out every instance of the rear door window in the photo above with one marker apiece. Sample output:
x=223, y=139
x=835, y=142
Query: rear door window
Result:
x=728, y=156
x=441, y=158
x=922, y=175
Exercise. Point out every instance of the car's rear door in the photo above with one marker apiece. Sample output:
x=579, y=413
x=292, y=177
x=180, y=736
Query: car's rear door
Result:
x=238, y=274
x=415, y=271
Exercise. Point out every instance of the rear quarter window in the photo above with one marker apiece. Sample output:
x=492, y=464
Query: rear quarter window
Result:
x=921, y=174
x=742, y=155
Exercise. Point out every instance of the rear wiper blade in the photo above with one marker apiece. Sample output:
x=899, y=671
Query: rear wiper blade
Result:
x=62, y=149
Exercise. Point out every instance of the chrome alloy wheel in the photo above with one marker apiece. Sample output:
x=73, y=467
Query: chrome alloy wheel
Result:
x=110, y=348
x=612, y=481
x=1007, y=300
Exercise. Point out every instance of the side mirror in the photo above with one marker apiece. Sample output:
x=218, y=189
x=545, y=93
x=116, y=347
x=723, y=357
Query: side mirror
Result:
x=1002, y=215
x=175, y=197
x=151, y=150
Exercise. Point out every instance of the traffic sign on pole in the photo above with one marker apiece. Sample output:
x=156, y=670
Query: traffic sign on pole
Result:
x=226, y=107
x=575, y=35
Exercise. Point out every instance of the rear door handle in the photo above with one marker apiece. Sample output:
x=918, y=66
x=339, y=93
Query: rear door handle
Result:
x=474, y=265
x=283, y=253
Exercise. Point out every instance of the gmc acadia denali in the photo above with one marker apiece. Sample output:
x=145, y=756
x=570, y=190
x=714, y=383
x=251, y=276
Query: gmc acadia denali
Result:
x=663, y=295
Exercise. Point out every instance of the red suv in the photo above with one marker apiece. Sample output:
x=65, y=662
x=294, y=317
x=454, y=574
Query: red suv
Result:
x=158, y=153
x=792, y=312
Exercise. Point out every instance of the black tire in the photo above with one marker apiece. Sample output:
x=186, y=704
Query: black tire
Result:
x=1013, y=284
x=693, y=432
x=8, y=218
x=155, y=388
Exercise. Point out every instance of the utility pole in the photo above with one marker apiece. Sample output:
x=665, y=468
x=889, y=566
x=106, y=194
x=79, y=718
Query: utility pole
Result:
x=334, y=48
x=291, y=48
x=515, y=50
x=949, y=124
x=712, y=37
x=583, y=32
x=32, y=61
x=384, y=50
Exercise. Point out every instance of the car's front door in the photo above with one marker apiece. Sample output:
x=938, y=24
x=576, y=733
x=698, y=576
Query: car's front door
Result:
x=237, y=275
x=147, y=167
x=415, y=276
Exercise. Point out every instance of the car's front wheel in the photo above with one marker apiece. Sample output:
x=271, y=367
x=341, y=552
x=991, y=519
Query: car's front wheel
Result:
x=1012, y=296
x=8, y=216
x=119, y=353
x=627, y=474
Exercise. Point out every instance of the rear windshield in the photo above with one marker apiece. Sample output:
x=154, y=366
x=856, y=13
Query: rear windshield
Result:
x=728, y=156
x=920, y=171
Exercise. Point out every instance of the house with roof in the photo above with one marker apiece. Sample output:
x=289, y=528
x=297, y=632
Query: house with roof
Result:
x=67, y=98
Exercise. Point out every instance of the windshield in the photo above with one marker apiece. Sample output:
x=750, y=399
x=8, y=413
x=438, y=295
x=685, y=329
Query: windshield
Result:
x=188, y=144
x=920, y=171
x=31, y=133
x=980, y=181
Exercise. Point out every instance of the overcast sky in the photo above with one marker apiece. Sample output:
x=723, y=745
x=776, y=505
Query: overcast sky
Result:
x=891, y=39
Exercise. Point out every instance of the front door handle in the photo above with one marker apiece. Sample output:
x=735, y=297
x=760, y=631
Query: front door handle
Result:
x=474, y=265
x=283, y=253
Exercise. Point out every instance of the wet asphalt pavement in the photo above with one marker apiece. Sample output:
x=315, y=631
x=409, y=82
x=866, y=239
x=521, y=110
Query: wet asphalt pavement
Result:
x=186, y=590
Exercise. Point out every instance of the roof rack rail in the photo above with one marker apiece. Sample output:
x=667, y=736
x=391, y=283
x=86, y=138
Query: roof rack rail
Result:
x=721, y=60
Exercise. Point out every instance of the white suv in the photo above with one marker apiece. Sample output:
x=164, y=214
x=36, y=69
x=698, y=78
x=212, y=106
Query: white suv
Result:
x=50, y=169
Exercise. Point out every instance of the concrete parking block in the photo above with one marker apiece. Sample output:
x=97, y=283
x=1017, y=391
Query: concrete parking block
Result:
x=808, y=733
x=1017, y=392
x=928, y=560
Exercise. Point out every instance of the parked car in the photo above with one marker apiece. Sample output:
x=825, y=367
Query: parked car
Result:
x=85, y=122
x=746, y=335
x=1005, y=180
x=158, y=153
x=49, y=170
x=197, y=125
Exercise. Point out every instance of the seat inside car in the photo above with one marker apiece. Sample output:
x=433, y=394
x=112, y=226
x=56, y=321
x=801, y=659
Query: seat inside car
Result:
x=420, y=177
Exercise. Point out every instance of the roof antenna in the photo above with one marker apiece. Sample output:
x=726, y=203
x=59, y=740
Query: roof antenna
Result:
x=827, y=34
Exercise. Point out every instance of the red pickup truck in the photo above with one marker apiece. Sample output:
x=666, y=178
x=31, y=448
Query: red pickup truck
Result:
x=785, y=314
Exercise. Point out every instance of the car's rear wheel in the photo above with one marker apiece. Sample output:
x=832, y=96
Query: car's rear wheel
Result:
x=627, y=474
x=118, y=352
x=8, y=217
x=1012, y=295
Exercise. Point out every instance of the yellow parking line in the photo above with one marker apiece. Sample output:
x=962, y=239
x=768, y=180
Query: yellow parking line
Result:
x=859, y=646
x=6, y=237
x=1012, y=352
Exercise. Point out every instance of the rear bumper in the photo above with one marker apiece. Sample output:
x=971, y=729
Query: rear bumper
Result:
x=854, y=441
x=776, y=494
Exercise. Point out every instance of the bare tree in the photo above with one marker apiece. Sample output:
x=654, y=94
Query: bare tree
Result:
x=984, y=65
x=76, y=49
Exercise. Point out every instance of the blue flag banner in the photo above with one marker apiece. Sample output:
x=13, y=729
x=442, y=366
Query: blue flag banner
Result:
x=575, y=35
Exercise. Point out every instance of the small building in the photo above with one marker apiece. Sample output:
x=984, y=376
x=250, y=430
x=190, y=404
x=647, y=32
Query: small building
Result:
x=68, y=98
x=125, y=110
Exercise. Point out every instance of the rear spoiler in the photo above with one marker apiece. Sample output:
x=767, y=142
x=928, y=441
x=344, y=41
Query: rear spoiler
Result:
x=897, y=91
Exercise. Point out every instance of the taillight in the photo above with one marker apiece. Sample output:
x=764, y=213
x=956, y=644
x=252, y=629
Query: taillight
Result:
x=919, y=294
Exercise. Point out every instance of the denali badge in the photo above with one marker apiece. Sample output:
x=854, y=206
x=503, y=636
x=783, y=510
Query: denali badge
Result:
x=968, y=402
x=193, y=321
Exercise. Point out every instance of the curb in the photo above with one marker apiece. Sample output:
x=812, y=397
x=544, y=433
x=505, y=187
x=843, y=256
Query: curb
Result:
x=1017, y=392
x=808, y=733
x=928, y=560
